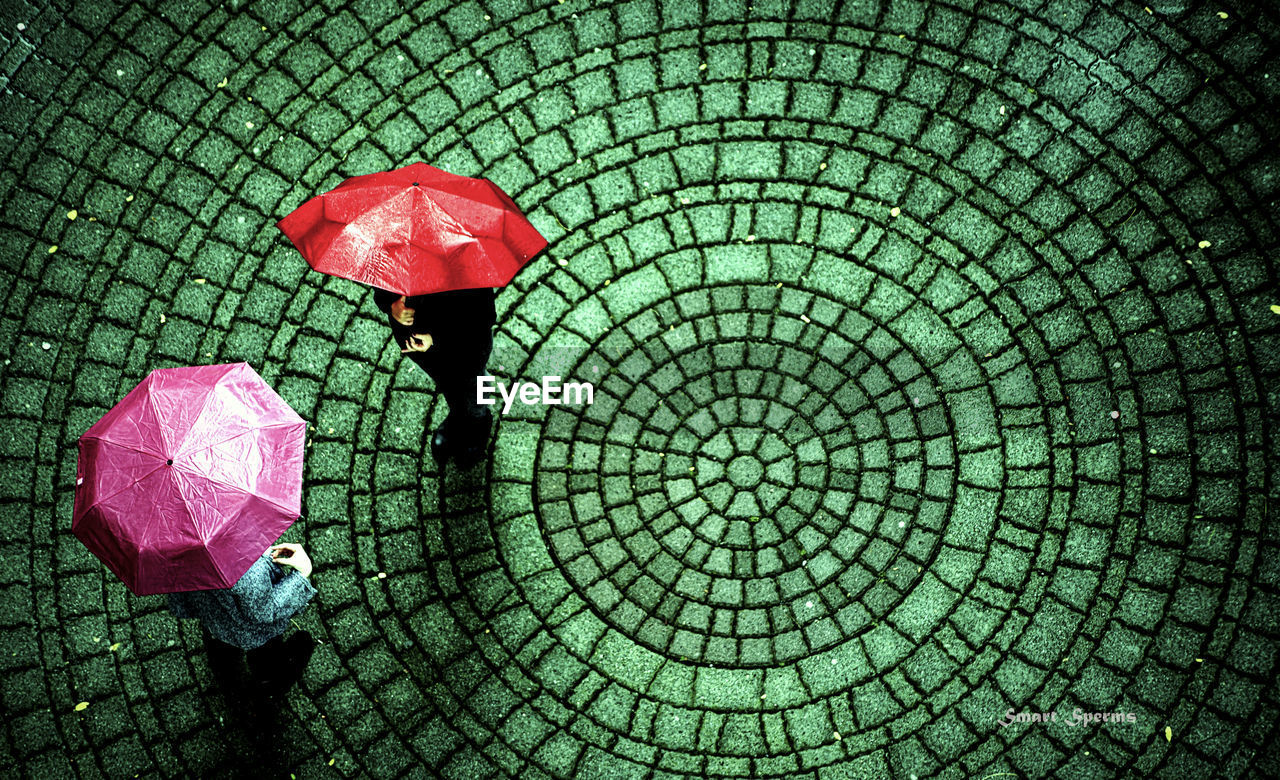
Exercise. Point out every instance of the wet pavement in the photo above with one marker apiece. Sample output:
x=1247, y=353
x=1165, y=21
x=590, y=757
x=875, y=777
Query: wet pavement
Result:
x=934, y=352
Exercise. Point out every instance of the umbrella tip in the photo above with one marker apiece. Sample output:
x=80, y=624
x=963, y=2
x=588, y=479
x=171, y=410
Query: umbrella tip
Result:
x=169, y=462
x=415, y=184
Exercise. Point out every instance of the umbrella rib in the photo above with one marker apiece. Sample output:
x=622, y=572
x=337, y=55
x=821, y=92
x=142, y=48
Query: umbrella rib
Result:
x=208, y=399
x=129, y=486
x=240, y=490
x=114, y=443
x=151, y=402
x=242, y=433
x=450, y=214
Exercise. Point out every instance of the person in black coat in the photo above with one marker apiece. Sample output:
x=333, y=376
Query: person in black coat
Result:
x=450, y=336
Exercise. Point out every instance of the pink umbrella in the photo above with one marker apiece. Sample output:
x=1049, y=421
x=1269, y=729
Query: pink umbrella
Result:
x=188, y=480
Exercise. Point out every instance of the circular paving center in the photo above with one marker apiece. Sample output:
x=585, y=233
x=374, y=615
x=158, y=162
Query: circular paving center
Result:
x=779, y=496
x=745, y=472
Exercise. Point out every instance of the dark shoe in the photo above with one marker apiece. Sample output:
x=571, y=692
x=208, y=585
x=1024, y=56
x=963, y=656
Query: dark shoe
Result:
x=441, y=445
x=462, y=437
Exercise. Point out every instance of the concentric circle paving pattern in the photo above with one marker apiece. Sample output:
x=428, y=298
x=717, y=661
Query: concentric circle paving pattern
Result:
x=933, y=356
x=761, y=493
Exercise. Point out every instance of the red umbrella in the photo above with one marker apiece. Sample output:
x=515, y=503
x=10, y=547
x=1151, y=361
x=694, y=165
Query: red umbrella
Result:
x=415, y=230
x=189, y=479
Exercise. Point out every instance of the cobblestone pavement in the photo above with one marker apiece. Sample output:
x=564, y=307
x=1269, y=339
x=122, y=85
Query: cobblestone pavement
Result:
x=934, y=350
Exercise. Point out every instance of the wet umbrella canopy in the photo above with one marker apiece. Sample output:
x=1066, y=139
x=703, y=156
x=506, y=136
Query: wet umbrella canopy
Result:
x=415, y=230
x=187, y=480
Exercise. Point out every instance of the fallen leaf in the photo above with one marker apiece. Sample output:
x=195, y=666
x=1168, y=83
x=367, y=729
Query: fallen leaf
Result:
x=129, y=199
x=199, y=281
x=1168, y=734
x=1205, y=244
x=805, y=319
x=1222, y=15
x=82, y=706
x=1275, y=309
x=115, y=647
x=222, y=83
x=895, y=211
x=72, y=214
x=53, y=249
x=162, y=320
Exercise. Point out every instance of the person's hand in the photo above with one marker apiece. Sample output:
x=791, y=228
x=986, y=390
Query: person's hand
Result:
x=292, y=555
x=401, y=313
x=418, y=342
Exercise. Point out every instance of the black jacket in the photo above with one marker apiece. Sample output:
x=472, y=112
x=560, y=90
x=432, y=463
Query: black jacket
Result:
x=458, y=320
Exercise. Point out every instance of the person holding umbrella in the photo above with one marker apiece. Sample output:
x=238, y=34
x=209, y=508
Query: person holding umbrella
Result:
x=181, y=487
x=433, y=245
x=449, y=335
x=250, y=618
